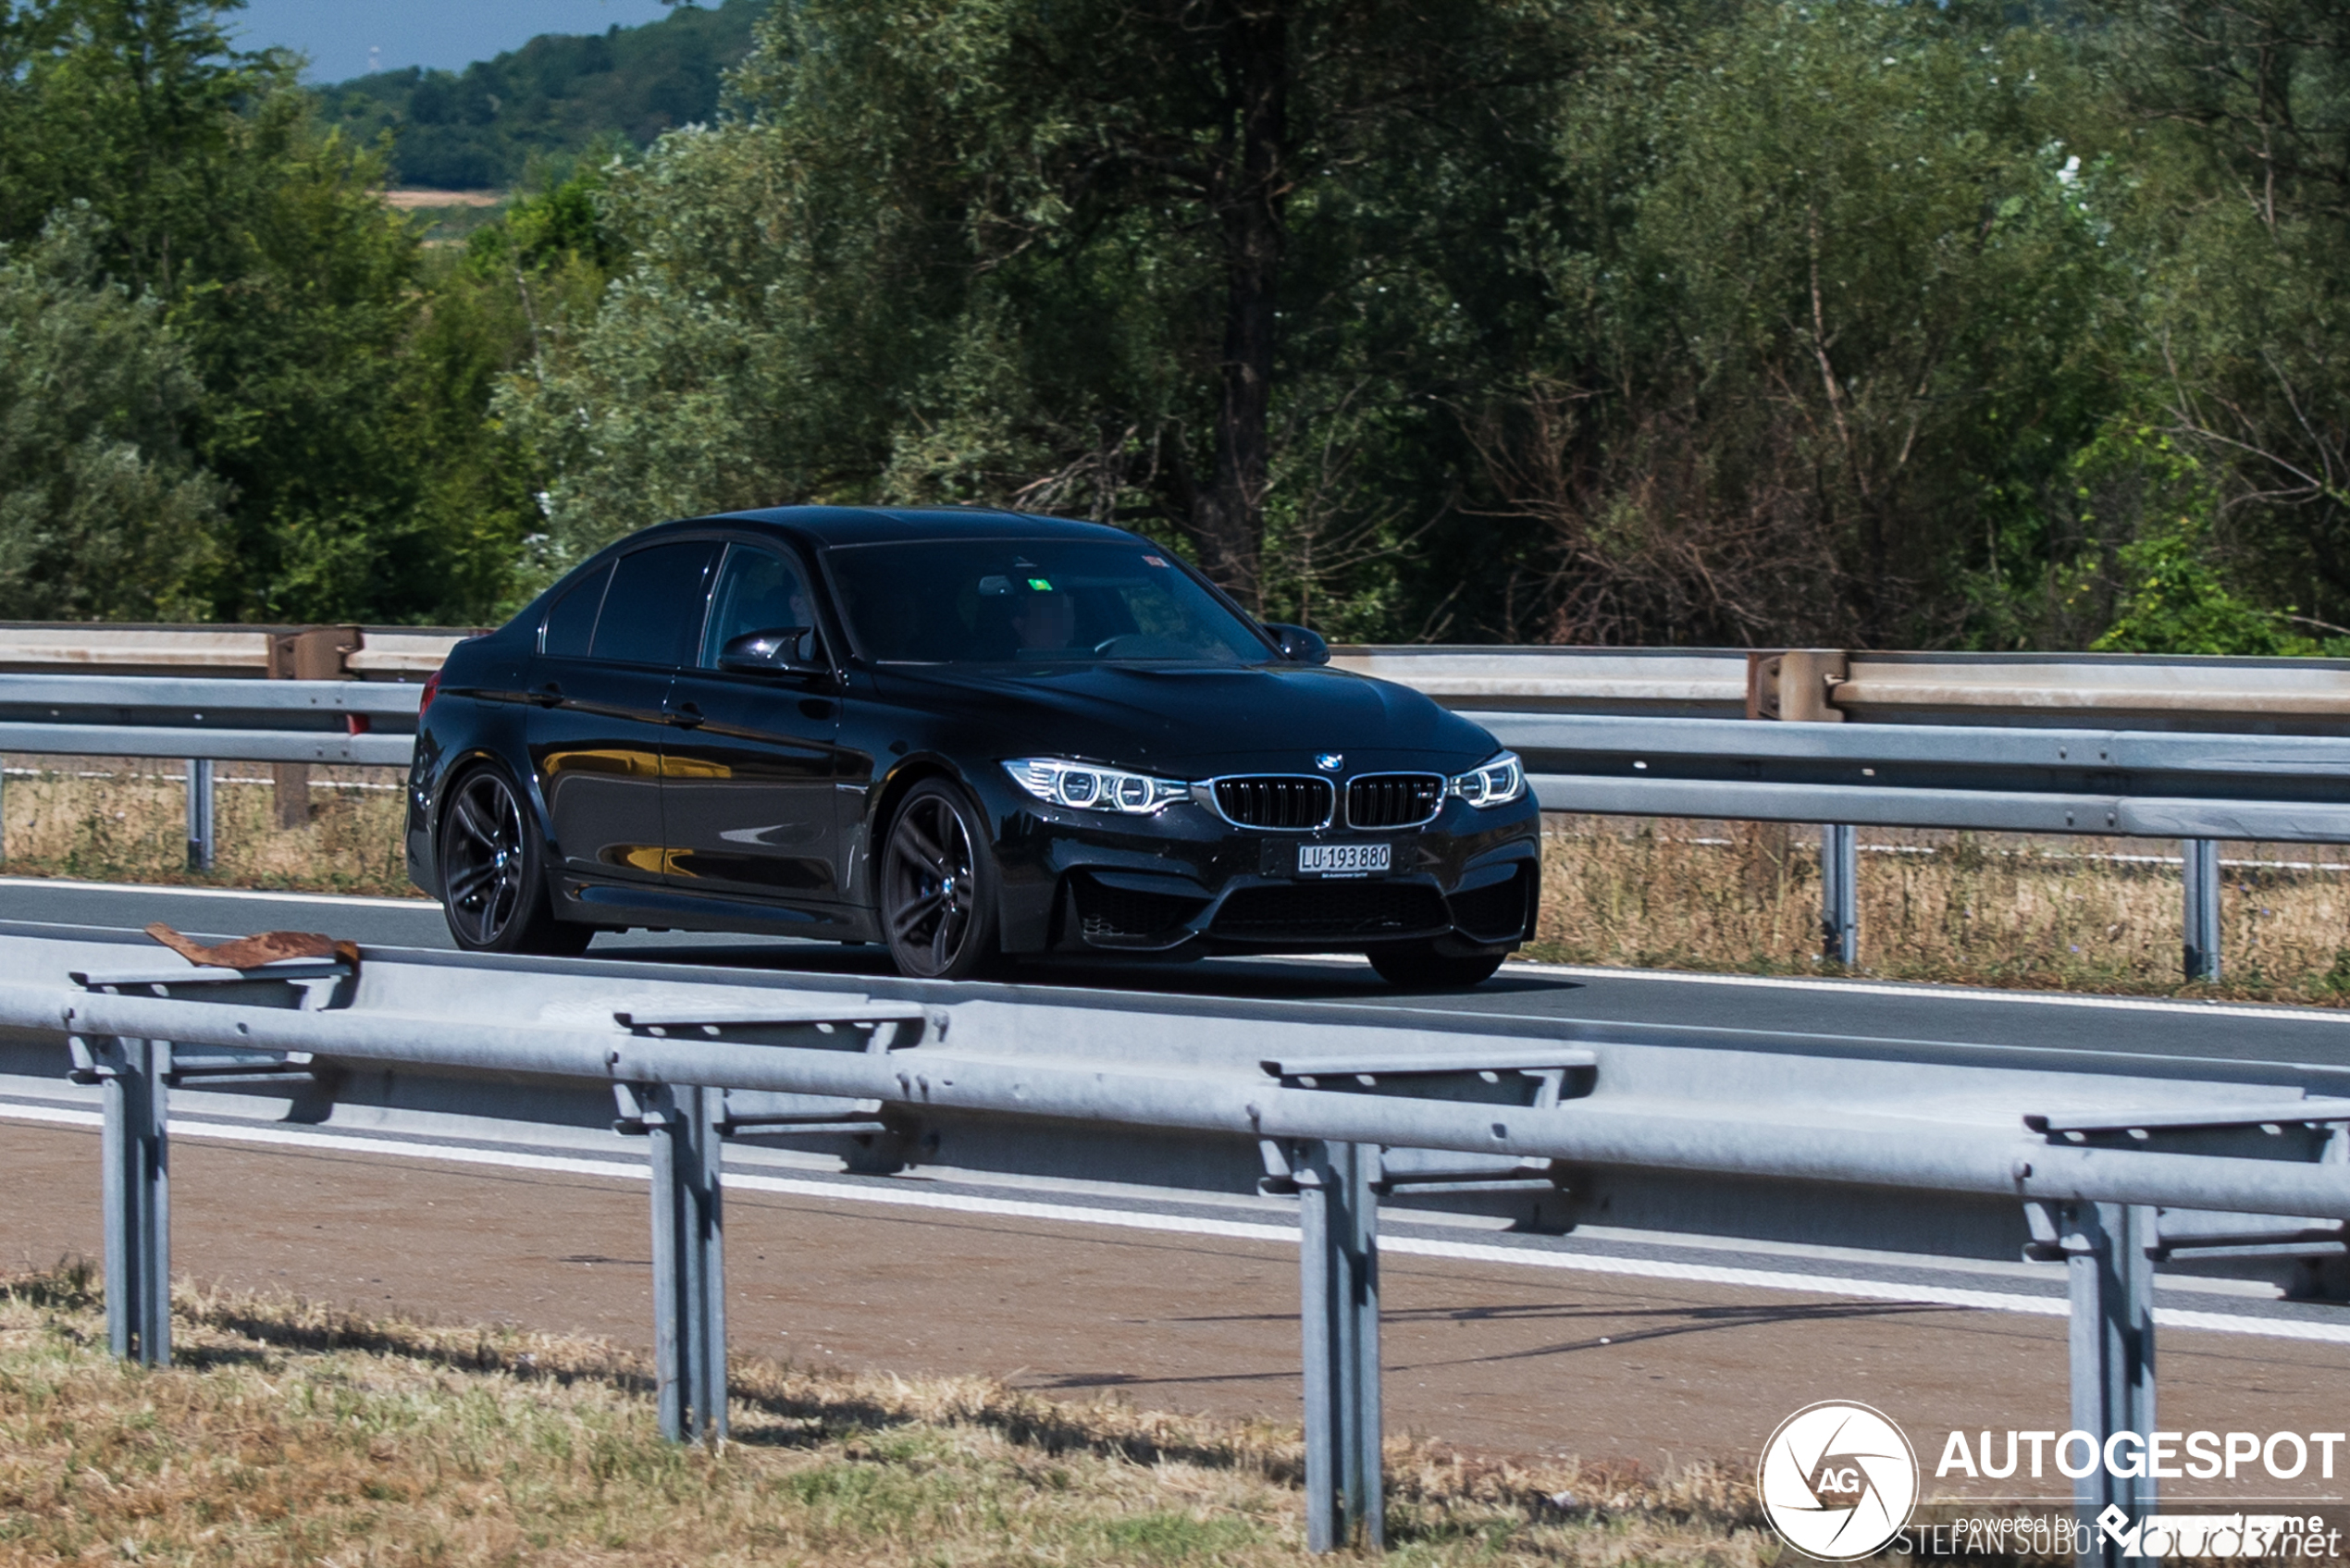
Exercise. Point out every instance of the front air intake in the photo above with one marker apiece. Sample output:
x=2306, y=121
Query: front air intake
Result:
x=1496, y=912
x=1337, y=911
x=1295, y=802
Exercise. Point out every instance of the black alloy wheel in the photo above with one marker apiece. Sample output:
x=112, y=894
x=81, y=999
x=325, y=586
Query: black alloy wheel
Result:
x=1417, y=966
x=493, y=886
x=938, y=888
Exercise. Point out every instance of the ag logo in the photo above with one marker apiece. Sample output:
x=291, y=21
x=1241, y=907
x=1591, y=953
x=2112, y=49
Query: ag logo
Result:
x=1838, y=1480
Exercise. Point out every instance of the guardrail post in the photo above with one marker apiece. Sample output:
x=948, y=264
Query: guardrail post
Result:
x=2106, y=1248
x=1338, y=1290
x=315, y=654
x=136, y=1193
x=1840, y=894
x=2202, y=858
x=689, y=1270
x=199, y=816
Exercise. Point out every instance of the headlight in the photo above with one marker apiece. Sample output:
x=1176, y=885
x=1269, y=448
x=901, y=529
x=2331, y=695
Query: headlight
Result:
x=1095, y=790
x=1498, y=782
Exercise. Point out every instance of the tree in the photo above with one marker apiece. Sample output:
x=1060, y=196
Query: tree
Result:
x=1823, y=309
x=299, y=301
x=1064, y=254
x=144, y=111
x=104, y=511
x=2244, y=107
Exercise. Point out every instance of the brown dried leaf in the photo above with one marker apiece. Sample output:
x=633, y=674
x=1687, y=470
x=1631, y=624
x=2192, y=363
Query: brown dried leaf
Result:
x=251, y=952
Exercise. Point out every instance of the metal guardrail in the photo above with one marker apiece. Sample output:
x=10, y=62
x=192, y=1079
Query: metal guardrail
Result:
x=2099, y=1159
x=292, y=724
x=2001, y=779
x=371, y=653
x=2136, y=691
x=2198, y=788
x=327, y=721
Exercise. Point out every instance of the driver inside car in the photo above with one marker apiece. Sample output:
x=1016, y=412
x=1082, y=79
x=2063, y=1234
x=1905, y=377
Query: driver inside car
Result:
x=1043, y=620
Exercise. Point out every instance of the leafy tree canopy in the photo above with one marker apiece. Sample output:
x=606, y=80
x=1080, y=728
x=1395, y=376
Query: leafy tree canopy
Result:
x=1633, y=321
x=104, y=511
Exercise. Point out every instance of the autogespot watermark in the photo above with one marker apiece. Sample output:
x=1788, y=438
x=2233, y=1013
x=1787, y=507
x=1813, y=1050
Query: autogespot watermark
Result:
x=1840, y=1481
x=2165, y=1456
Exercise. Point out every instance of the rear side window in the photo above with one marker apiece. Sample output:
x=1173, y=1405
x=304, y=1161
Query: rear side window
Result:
x=572, y=622
x=652, y=615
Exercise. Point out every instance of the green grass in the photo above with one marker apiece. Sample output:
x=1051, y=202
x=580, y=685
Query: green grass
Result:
x=290, y=1434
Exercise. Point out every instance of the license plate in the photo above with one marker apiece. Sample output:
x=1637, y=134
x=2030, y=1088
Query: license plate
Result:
x=1342, y=860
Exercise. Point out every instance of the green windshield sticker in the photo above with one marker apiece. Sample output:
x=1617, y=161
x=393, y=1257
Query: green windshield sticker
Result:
x=1040, y=585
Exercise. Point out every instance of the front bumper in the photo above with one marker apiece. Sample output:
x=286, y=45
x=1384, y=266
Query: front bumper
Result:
x=1185, y=882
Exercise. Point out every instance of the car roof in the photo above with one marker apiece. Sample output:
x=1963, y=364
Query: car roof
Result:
x=894, y=524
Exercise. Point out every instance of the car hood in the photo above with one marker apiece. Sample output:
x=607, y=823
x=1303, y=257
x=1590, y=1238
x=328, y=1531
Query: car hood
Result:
x=1196, y=720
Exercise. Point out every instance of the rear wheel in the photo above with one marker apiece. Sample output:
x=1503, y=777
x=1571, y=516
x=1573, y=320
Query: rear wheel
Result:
x=1417, y=966
x=493, y=874
x=938, y=888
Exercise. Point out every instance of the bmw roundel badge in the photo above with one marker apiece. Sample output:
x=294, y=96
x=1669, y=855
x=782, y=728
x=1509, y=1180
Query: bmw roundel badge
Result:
x=1329, y=760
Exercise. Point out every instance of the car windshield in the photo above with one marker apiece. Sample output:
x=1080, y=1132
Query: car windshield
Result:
x=1018, y=601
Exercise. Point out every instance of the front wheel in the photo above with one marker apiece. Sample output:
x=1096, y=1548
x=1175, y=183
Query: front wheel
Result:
x=493, y=875
x=938, y=886
x=1417, y=966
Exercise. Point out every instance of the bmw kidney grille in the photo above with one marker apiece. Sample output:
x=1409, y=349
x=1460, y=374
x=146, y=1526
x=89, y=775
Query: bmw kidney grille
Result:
x=1394, y=800
x=1296, y=802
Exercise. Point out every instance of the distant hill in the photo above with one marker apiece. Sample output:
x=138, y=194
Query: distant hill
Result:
x=476, y=129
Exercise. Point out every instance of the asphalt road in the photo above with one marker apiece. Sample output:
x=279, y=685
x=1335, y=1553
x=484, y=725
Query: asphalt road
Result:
x=1881, y=1010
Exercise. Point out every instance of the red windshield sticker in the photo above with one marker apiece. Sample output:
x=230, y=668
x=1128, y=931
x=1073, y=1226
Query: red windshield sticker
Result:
x=1153, y=560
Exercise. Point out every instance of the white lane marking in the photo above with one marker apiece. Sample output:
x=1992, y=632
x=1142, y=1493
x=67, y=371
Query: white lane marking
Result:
x=1921, y=992
x=343, y=1143
x=418, y=903
x=1131, y=1219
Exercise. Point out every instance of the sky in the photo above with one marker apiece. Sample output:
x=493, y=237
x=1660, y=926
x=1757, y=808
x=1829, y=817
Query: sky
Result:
x=348, y=38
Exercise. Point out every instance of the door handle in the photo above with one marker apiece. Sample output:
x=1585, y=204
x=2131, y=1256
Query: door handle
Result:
x=547, y=695
x=685, y=715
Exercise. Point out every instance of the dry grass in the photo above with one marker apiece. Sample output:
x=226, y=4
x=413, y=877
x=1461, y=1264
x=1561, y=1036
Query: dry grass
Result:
x=2068, y=913
x=107, y=819
x=2065, y=913
x=289, y=1433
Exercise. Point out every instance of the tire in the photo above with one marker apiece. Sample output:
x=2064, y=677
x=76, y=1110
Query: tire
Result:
x=493, y=873
x=1417, y=966
x=938, y=884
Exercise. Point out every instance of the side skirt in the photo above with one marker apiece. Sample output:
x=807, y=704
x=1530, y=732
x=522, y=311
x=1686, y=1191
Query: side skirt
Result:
x=612, y=905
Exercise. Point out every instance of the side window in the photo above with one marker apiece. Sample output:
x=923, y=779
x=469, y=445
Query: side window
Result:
x=758, y=591
x=652, y=615
x=572, y=622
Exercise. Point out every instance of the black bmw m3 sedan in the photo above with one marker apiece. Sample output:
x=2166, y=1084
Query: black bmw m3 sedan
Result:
x=969, y=734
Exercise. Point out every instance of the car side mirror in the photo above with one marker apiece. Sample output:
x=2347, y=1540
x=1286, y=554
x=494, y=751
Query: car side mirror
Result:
x=1299, y=644
x=779, y=650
